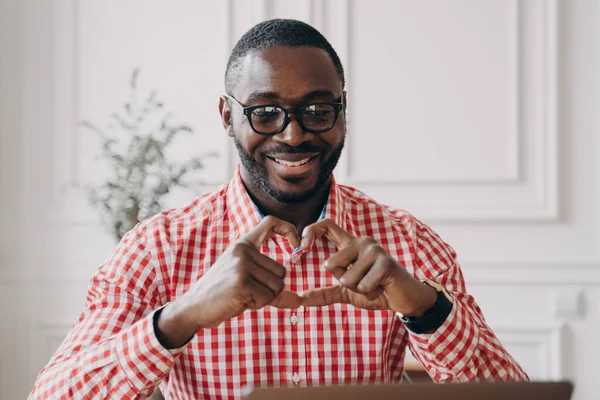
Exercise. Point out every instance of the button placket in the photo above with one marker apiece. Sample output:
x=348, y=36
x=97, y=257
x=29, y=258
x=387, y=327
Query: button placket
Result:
x=297, y=362
x=293, y=280
x=292, y=263
x=300, y=346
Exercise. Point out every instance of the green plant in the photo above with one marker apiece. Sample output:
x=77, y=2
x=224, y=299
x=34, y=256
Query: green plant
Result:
x=135, y=145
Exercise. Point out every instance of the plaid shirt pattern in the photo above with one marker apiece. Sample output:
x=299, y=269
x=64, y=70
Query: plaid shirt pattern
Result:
x=111, y=351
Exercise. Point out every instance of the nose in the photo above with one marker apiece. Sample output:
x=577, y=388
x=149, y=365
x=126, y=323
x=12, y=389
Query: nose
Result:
x=293, y=134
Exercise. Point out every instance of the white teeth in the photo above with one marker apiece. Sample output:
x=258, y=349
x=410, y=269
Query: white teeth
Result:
x=293, y=163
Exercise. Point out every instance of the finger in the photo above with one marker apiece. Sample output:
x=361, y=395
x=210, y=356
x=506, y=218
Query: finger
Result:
x=339, y=263
x=354, y=274
x=266, y=278
x=268, y=227
x=328, y=228
x=373, y=279
x=374, y=294
x=267, y=263
x=324, y=296
x=287, y=299
x=259, y=295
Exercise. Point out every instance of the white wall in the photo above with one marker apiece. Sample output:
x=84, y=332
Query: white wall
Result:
x=489, y=134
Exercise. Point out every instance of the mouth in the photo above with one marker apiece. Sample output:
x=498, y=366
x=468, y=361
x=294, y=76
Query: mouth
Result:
x=294, y=166
x=293, y=163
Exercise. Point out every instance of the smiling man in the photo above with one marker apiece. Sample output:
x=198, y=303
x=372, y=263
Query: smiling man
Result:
x=225, y=294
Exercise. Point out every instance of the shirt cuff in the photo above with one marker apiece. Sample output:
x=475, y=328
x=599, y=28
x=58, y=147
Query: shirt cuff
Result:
x=452, y=345
x=141, y=356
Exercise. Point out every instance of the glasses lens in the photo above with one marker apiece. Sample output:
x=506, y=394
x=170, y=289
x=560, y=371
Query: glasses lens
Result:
x=318, y=116
x=267, y=119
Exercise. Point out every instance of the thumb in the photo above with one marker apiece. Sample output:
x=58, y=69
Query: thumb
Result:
x=324, y=296
x=287, y=299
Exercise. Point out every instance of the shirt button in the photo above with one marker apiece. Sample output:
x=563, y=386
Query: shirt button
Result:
x=294, y=319
x=296, y=378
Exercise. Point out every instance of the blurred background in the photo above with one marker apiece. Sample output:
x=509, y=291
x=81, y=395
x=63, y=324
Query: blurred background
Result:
x=478, y=116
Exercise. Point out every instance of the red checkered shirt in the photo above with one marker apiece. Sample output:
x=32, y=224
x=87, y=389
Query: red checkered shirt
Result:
x=112, y=351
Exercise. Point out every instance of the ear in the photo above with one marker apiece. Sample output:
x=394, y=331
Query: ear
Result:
x=345, y=101
x=225, y=112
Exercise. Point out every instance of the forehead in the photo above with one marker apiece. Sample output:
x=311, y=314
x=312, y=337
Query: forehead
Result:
x=289, y=72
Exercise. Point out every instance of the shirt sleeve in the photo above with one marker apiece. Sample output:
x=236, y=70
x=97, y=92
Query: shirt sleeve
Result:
x=464, y=348
x=112, y=351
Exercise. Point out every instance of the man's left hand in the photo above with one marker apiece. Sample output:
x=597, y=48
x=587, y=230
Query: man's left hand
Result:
x=369, y=277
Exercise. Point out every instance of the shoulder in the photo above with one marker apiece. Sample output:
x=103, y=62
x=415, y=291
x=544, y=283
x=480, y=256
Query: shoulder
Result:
x=365, y=213
x=406, y=237
x=171, y=226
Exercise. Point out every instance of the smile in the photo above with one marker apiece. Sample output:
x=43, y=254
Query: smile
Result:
x=293, y=163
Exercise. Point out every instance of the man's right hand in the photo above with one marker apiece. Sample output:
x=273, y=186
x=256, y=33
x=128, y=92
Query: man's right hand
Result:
x=242, y=278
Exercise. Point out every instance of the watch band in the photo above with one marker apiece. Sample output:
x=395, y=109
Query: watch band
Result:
x=435, y=316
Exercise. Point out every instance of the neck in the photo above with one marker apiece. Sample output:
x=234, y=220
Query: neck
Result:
x=300, y=215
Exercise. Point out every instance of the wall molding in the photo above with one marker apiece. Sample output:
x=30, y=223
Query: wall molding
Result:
x=65, y=202
x=567, y=303
x=535, y=273
x=548, y=97
x=52, y=334
x=318, y=15
x=514, y=101
x=547, y=339
x=64, y=116
x=47, y=338
x=536, y=186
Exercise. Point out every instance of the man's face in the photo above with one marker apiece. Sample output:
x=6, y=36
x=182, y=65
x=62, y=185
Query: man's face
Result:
x=288, y=77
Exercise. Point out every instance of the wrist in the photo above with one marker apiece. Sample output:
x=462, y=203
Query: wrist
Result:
x=434, y=316
x=426, y=297
x=172, y=327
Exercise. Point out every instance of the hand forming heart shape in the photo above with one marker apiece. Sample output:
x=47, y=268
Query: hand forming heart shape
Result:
x=369, y=277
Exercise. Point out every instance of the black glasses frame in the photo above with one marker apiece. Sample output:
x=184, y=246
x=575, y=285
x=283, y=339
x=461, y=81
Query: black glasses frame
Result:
x=297, y=111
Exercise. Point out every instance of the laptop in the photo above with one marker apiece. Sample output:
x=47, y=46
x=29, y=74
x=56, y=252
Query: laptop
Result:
x=423, y=391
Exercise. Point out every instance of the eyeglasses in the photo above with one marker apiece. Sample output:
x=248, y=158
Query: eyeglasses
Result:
x=271, y=119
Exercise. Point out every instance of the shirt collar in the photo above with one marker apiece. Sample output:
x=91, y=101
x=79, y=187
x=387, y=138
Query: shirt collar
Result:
x=244, y=214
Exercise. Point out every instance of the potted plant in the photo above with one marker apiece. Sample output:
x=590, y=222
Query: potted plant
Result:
x=134, y=145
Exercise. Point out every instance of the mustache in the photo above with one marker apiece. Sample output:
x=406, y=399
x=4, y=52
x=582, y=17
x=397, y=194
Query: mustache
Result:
x=282, y=148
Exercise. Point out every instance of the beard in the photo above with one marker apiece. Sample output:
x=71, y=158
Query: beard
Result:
x=260, y=175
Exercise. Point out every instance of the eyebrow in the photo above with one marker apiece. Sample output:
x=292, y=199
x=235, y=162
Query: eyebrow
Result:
x=314, y=94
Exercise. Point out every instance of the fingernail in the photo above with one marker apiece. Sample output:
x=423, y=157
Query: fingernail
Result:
x=304, y=231
x=304, y=243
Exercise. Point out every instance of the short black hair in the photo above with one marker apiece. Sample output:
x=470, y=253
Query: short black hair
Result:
x=277, y=32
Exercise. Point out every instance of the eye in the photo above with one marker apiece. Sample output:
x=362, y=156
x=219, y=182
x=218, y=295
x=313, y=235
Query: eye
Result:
x=318, y=111
x=267, y=110
x=321, y=110
x=267, y=118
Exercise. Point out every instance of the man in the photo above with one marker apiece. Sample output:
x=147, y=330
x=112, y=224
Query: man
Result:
x=224, y=294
